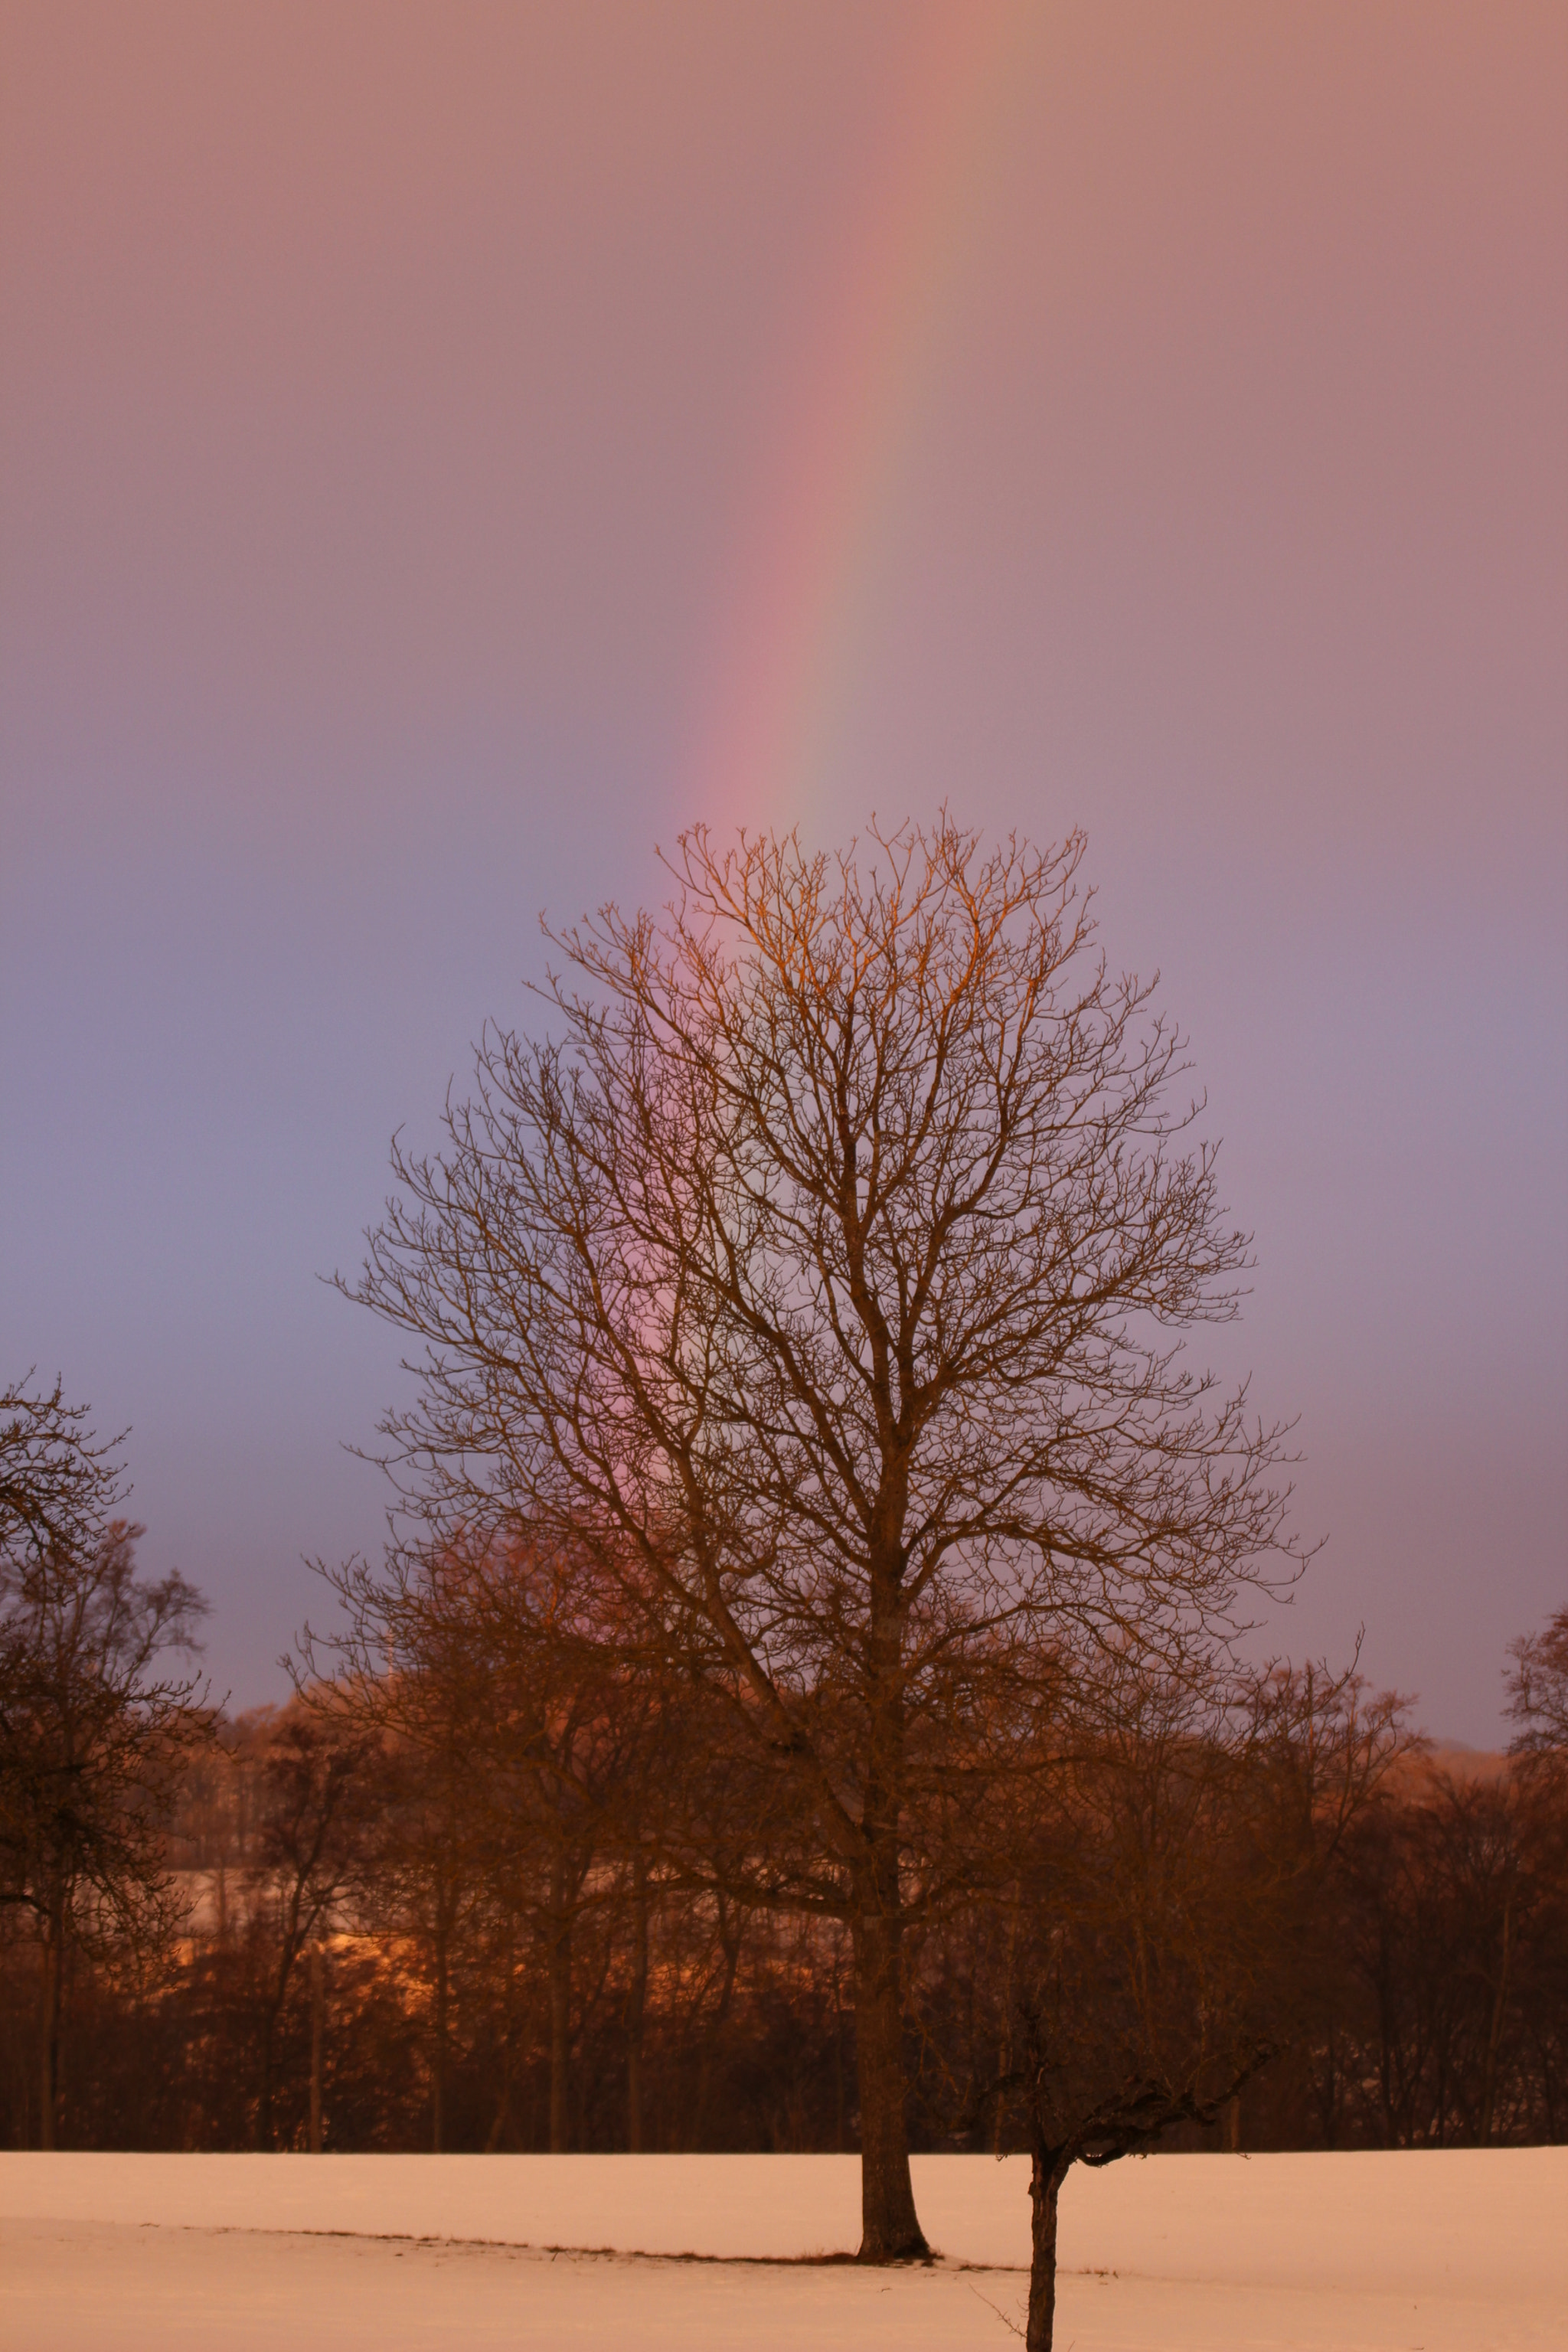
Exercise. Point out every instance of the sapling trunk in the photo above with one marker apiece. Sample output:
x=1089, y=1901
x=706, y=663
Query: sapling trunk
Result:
x=636, y=2003
x=1049, y=2170
x=318, y=2008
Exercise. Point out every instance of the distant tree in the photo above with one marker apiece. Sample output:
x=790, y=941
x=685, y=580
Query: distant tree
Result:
x=314, y=1801
x=59, y=1485
x=1538, y=1691
x=520, y=1767
x=1446, y=1958
x=825, y=1271
x=1538, y=1704
x=92, y=1729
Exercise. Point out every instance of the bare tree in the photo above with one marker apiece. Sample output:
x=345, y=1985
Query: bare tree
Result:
x=1537, y=1693
x=824, y=1270
x=92, y=1729
x=520, y=1759
x=59, y=1485
x=314, y=1797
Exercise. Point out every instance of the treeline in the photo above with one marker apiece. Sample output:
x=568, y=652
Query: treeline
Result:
x=496, y=1893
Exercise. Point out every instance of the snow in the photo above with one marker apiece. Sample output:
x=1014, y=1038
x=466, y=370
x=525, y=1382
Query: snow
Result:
x=1438, y=2249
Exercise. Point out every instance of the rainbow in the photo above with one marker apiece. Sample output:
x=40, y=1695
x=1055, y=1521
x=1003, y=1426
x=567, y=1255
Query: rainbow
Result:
x=783, y=672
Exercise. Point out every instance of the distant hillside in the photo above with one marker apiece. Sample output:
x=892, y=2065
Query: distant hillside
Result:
x=1459, y=1762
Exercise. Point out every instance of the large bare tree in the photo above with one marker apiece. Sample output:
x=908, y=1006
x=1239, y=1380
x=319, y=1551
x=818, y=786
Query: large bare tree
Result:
x=825, y=1265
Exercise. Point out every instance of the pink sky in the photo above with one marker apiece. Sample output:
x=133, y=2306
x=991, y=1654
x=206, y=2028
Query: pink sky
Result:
x=445, y=450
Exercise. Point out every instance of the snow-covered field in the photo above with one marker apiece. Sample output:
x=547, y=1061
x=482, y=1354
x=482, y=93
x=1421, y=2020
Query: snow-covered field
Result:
x=1448, y=2252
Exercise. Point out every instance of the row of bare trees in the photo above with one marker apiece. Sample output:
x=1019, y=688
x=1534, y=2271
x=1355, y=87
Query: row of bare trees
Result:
x=1268, y=1936
x=484, y=1887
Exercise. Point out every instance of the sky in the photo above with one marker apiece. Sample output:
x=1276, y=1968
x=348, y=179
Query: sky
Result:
x=444, y=452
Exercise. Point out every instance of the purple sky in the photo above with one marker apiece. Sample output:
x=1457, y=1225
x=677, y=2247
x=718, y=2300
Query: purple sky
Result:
x=445, y=451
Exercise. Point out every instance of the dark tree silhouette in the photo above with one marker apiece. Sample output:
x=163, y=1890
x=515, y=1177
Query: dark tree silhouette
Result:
x=93, y=1731
x=1538, y=1691
x=59, y=1485
x=313, y=1799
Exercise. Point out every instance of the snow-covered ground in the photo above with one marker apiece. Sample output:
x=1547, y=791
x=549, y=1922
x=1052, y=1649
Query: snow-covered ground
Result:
x=115, y=2253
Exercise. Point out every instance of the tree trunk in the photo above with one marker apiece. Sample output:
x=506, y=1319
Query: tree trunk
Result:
x=293, y=1940
x=438, y=2069
x=1494, y=2036
x=1049, y=2171
x=503, y=2105
x=264, y=2088
x=51, y=1991
x=838, y=2141
x=890, y=2226
x=1330, y=2102
x=318, y=2006
x=731, y=1930
x=636, y=2003
x=1005, y=2055
x=560, y=2030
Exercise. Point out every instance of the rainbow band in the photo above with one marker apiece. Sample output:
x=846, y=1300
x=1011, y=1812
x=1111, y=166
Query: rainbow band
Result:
x=785, y=672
